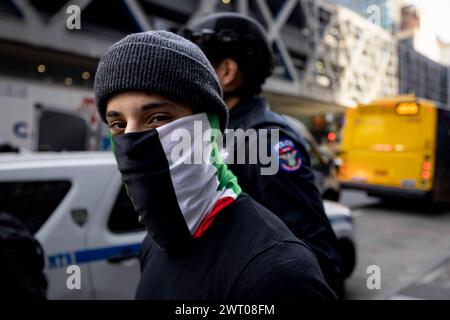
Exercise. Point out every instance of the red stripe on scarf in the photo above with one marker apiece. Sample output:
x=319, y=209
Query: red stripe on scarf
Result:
x=204, y=225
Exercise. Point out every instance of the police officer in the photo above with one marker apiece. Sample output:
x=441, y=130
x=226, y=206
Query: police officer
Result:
x=239, y=50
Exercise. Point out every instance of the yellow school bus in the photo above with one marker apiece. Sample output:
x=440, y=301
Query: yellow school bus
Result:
x=397, y=147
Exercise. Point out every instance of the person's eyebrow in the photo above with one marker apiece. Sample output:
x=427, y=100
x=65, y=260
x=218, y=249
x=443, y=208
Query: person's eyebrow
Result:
x=111, y=114
x=154, y=105
x=145, y=107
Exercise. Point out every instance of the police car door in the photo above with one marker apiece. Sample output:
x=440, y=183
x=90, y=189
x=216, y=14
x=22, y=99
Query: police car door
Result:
x=114, y=241
x=51, y=197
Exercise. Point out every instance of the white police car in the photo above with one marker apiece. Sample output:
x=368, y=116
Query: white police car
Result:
x=77, y=208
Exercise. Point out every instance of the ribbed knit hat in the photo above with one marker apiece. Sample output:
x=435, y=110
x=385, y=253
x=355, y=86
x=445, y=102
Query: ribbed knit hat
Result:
x=164, y=63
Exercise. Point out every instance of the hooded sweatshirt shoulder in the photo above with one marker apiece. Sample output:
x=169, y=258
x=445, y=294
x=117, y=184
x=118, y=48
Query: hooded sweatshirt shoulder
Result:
x=248, y=253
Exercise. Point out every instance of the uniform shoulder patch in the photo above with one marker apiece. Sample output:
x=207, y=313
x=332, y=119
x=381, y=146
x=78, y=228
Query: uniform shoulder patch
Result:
x=289, y=155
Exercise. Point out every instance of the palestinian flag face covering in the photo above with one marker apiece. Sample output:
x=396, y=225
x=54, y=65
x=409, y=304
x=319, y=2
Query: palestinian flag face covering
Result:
x=176, y=177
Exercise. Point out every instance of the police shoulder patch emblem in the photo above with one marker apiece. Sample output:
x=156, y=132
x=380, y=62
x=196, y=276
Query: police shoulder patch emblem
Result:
x=290, y=159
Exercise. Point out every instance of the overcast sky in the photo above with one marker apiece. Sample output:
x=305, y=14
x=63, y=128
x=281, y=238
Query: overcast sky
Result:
x=439, y=11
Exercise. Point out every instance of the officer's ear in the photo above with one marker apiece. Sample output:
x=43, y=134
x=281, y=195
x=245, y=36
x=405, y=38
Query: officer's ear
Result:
x=229, y=75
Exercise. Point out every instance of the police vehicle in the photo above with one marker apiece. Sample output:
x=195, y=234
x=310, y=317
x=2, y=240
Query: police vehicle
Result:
x=324, y=167
x=39, y=116
x=75, y=205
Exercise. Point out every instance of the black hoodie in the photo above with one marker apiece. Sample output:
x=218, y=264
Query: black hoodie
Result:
x=246, y=254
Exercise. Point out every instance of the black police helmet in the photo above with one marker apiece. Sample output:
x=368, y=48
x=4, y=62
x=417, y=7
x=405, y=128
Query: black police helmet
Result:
x=234, y=35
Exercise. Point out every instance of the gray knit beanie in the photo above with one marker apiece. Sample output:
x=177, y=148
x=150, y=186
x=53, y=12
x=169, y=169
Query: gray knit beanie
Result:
x=164, y=63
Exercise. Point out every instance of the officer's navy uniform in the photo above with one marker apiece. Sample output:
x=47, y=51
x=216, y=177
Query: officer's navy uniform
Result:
x=291, y=193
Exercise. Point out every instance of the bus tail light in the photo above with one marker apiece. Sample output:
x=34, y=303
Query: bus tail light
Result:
x=426, y=170
x=426, y=166
x=426, y=175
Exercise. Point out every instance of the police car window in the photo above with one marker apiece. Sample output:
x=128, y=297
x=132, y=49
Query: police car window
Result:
x=316, y=163
x=32, y=202
x=123, y=218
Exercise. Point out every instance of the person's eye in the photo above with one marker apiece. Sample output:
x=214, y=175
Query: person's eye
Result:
x=117, y=125
x=159, y=118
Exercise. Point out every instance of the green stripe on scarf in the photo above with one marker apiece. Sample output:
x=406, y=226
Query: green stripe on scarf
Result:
x=225, y=177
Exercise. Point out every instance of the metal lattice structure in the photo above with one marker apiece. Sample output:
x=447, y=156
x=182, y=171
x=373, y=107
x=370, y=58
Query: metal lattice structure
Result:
x=324, y=52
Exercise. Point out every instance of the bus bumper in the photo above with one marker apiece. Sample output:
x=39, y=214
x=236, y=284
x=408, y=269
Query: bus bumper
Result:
x=383, y=191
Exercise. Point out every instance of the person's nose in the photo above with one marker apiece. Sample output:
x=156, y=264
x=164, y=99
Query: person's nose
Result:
x=134, y=126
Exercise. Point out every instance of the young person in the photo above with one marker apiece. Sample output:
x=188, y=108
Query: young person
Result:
x=207, y=239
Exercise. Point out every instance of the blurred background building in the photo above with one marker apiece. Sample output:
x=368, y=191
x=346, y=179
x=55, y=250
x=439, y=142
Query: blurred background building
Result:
x=445, y=52
x=367, y=8
x=330, y=55
x=424, y=58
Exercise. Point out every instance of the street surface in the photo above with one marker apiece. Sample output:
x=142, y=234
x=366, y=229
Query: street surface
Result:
x=408, y=241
